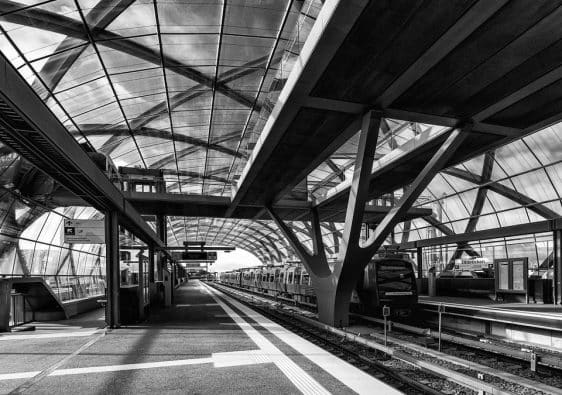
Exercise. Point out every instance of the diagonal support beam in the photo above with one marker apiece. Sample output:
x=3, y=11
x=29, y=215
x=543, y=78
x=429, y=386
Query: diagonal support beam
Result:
x=360, y=185
x=481, y=195
x=315, y=263
x=449, y=232
x=337, y=171
x=309, y=231
x=334, y=293
x=505, y=191
x=437, y=162
x=100, y=17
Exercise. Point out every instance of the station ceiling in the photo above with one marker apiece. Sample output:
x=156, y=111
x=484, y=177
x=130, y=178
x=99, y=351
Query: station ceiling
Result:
x=188, y=86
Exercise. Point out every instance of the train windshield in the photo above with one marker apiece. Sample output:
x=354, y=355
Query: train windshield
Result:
x=394, y=275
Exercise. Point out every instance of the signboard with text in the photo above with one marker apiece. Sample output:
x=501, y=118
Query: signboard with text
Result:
x=84, y=231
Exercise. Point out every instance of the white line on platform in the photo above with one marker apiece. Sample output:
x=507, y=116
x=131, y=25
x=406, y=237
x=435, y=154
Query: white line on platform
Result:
x=15, y=337
x=354, y=378
x=21, y=375
x=196, y=304
x=132, y=366
x=219, y=360
x=301, y=379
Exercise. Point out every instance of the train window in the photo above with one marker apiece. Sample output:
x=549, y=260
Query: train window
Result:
x=305, y=279
x=290, y=278
x=394, y=275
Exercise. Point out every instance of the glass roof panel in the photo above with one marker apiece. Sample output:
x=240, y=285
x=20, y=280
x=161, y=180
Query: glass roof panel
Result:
x=534, y=185
x=117, y=61
x=187, y=16
x=137, y=19
x=86, y=68
x=37, y=43
x=515, y=157
x=546, y=144
x=555, y=174
x=192, y=49
x=254, y=17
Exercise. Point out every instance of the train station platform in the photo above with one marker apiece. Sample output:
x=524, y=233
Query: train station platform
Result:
x=489, y=303
x=534, y=324
x=206, y=343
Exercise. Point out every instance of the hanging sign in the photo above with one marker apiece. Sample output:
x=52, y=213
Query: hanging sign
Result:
x=84, y=231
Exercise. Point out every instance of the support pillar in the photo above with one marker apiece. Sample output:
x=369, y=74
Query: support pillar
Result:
x=173, y=276
x=162, y=232
x=150, y=264
x=152, y=291
x=334, y=287
x=112, y=269
x=5, y=304
x=557, y=277
x=419, y=260
x=141, y=286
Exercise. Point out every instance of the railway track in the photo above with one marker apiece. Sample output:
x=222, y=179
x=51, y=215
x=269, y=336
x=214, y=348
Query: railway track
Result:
x=491, y=376
x=398, y=373
x=508, y=372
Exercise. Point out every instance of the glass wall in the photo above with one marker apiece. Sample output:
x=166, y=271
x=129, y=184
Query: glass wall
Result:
x=31, y=233
x=537, y=248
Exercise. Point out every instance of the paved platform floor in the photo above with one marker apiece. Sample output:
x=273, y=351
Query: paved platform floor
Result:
x=484, y=302
x=205, y=344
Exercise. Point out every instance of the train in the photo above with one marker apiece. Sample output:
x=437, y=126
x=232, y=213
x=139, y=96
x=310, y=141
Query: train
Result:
x=388, y=280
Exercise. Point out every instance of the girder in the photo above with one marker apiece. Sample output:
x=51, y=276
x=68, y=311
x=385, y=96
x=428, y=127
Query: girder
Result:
x=61, y=24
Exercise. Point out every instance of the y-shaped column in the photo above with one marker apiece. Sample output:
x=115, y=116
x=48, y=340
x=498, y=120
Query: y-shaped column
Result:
x=334, y=287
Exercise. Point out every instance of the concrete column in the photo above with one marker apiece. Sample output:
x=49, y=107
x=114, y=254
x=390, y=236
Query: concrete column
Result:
x=5, y=292
x=162, y=232
x=112, y=269
x=173, y=276
x=334, y=287
x=352, y=259
x=141, y=286
x=151, y=264
x=557, y=278
x=419, y=260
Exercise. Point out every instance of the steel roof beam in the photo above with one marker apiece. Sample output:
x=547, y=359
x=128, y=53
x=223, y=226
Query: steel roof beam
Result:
x=489, y=234
x=108, y=148
x=101, y=16
x=477, y=15
x=32, y=130
x=46, y=20
x=335, y=21
x=504, y=191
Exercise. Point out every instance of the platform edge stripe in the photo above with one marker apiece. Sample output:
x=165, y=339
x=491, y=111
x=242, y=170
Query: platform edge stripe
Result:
x=21, y=375
x=132, y=366
x=360, y=382
x=300, y=378
x=48, y=335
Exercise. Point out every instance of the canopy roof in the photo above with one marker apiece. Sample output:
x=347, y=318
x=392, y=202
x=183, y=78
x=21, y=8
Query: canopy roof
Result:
x=187, y=86
x=179, y=85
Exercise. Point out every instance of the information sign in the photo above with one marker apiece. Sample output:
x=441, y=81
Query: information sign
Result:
x=84, y=231
x=511, y=275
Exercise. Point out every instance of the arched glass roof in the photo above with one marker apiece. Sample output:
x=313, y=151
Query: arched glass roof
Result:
x=170, y=84
x=186, y=86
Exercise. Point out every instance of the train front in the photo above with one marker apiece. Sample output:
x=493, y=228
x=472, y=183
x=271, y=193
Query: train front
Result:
x=390, y=280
